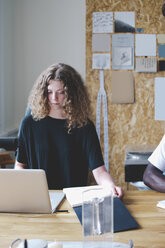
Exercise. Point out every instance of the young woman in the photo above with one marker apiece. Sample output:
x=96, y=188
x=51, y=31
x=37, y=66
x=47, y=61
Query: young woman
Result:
x=58, y=136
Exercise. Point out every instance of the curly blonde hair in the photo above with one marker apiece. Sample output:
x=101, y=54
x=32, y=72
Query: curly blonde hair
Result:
x=77, y=104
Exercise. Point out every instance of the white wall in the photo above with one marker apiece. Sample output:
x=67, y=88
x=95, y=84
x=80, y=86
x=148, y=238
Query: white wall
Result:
x=38, y=33
x=6, y=67
x=1, y=68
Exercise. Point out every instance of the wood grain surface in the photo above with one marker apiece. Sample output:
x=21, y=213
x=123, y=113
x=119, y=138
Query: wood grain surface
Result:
x=66, y=226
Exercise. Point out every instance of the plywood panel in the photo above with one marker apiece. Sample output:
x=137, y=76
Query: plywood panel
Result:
x=129, y=124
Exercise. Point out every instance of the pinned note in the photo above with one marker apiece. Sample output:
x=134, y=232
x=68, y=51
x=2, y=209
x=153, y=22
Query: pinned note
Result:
x=146, y=65
x=102, y=22
x=122, y=87
x=159, y=98
x=145, y=45
x=101, y=43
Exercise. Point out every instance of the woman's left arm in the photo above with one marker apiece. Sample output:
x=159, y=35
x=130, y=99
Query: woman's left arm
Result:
x=102, y=177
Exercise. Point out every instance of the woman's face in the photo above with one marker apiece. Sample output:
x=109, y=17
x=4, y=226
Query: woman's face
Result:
x=56, y=94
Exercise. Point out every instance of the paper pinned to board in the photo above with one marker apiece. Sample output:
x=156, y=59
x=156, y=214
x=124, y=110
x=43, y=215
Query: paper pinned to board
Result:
x=122, y=51
x=101, y=42
x=122, y=87
x=161, y=51
x=161, y=65
x=102, y=22
x=159, y=98
x=146, y=64
x=101, y=61
x=124, y=21
x=145, y=45
x=161, y=38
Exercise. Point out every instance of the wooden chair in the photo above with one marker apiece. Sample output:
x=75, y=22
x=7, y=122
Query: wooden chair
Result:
x=6, y=159
x=8, y=144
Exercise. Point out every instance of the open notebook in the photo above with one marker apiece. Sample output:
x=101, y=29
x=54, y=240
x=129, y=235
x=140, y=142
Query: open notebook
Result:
x=26, y=191
x=123, y=220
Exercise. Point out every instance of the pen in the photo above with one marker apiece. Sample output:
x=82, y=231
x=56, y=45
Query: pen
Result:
x=62, y=211
x=25, y=244
x=131, y=244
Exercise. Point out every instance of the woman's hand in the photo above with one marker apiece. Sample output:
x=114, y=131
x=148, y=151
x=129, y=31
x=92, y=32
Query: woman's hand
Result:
x=102, y=177
x=118, y=192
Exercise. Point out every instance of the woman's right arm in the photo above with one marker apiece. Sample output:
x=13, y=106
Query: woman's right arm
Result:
x=19, y=166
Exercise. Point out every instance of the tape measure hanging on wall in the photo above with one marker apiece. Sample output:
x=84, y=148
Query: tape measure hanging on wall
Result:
x=102, y=96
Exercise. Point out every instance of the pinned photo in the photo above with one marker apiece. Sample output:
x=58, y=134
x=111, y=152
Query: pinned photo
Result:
x=125, y=22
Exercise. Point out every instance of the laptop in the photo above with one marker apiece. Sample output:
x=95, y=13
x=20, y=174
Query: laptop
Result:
x=26, y=191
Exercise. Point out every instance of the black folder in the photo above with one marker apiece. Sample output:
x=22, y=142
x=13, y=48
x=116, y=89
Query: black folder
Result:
x=123, y=220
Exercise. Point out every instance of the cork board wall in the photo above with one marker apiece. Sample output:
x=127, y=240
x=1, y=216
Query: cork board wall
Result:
x=128, y=124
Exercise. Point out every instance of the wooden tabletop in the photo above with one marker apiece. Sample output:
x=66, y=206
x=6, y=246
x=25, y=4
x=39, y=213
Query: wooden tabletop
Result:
x=66, y=227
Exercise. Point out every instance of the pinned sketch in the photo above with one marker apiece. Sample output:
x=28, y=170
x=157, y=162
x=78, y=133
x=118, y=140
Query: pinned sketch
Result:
x=145, y=45
x=123, y=51
x=102, y=22
x=159, y=98
x=101, y=61
x=125, y=22
x=122, y=56
x=101, y=42
x=146, y=65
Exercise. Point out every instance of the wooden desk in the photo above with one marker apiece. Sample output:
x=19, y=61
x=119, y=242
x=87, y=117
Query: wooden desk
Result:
x=66, y=226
